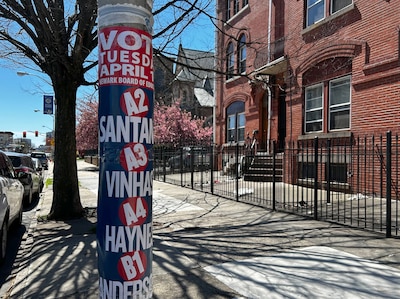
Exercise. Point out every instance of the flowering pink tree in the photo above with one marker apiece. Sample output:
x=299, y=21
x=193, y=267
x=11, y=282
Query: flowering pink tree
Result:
x=87, y=127
x=175, y=126
x=171, y=126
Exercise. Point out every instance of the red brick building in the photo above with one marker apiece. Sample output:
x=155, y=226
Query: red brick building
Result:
x=250, y=44
x=294, y=70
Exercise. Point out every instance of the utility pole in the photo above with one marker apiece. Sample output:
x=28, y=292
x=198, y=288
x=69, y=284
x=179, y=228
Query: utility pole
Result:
x=126, y=103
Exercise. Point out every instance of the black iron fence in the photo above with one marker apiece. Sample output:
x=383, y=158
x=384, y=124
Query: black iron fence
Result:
x=349, y=180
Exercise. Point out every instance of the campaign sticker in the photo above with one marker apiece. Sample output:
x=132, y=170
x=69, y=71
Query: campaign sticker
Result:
x=134, y=157
x=133, y=211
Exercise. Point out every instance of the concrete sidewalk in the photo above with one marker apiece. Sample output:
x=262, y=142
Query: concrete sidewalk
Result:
x=210, y=247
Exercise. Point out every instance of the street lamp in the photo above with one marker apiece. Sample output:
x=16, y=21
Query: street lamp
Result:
x=38, y=110
x=47, y=128
x=22, y=74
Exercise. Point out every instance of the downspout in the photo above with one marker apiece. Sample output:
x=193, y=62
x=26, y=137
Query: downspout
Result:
x=269, y=31
x=269, y=117
x=268, y=86
x=215, y=81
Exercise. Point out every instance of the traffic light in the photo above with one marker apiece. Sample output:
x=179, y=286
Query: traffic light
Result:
x=24, y=134
x=36, y=133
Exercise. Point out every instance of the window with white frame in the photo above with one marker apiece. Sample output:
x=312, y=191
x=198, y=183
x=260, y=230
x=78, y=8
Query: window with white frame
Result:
x=242, y=54
x=241, y=123
x=317, y=10
x=314, y=108
x=231, y=126
x=228, y=10
x=245, y=2
x=236, y=122
x=236, y=5
x=230, y=61
x=338, y=101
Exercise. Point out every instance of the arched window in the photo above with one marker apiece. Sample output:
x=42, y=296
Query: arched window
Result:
x=235, y=122
x=242, y=54
x=230, y=61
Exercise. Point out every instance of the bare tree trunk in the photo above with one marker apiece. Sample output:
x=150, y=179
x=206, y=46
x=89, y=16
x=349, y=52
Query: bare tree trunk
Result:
x=66, y=200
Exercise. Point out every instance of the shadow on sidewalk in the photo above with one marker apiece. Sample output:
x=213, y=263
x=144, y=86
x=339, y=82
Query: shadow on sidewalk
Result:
x=63, y=261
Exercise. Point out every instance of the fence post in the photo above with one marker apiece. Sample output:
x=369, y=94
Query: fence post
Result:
x=212, y=168
x=191, y=167
x=273, y=177
x=237, y=171
x=316, y=178
x=328, y=172
x=164, y=163
x=388, y=184
x=181, y=165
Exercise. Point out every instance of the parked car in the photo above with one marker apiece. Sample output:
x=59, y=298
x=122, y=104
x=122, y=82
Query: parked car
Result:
x=27, y=174
x=42, y=157
x=11, y=196
x=39, y=168
x=199, y=157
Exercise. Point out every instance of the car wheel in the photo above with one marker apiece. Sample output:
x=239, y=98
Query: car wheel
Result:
x=3, y=240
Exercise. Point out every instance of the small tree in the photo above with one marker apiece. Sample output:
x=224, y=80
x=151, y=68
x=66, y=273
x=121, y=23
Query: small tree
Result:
x=87, y=126
x=175, y=126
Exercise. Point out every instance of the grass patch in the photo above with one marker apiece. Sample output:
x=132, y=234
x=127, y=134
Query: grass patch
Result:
x=49, y=181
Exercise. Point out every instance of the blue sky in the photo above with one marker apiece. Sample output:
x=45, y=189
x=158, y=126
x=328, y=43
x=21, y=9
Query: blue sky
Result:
x=20, y=96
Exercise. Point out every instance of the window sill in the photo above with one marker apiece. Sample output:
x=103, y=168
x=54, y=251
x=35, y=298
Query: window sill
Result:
x=331, y=135
x=333, y=185
x=237, y=16
x=232, y=79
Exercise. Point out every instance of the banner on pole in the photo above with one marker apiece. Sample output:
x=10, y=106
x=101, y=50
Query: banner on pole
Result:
x=48, y=104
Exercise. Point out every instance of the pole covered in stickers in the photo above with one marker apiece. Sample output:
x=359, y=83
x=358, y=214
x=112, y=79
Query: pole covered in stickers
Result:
x=126, y=91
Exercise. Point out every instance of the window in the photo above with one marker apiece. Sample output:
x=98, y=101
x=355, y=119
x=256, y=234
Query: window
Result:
x=231, y=127
x=230, y=61
x=228, y=10
x=337, y=5
x=315, y=11
x=236, y=4
x=236, y=122
x=241, y=123
x=245, y=2
x=314, y=108
x=242, y=54
x=319, y=9
x=306, y=170
x=337, y=172
x=338, y=103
